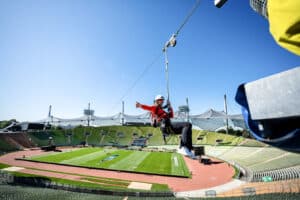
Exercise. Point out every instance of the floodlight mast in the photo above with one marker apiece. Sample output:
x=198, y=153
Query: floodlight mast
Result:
x=88, y=113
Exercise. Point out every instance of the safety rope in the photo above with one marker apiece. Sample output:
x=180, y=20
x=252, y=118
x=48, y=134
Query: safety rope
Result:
x=172, y=42
x=167, y=74
x=147, y=67
x=192, y=11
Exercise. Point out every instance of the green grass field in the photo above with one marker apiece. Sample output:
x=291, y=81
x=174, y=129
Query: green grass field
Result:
x=163, y=163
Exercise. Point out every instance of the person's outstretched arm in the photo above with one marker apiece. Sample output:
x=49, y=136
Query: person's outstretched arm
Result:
x=145, y=107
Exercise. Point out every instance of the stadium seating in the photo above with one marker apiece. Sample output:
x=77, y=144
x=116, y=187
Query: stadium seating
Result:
x=140, y=142
x=279, y=174
x=260, y=161
x=257, y=158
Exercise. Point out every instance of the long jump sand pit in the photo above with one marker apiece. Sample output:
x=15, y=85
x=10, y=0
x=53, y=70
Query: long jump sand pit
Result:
x=141, y=186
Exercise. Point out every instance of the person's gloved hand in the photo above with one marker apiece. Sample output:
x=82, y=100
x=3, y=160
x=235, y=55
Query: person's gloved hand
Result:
x=169, y=105
x=137, y=105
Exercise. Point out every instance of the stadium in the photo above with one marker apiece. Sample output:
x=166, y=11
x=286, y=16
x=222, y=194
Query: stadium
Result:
x=131, y=160
x=67, y=53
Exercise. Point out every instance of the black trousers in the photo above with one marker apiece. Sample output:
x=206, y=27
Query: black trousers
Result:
x=183, y=128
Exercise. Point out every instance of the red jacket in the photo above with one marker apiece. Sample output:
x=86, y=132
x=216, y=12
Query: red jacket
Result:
x=158, y=112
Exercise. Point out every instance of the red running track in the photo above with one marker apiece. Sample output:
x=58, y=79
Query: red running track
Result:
x=203, y=176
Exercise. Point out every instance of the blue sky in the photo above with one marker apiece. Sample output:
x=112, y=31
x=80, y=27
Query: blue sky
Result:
x=70, y=52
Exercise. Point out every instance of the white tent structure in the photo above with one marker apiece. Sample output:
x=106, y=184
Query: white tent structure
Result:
x=210, y=120
x=216, y=120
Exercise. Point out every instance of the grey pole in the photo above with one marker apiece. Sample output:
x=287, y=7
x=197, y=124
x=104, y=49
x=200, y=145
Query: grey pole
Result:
x=122, y=113
x=49, y=113
x=225, y=108
x=89, y=108
x=188, y=111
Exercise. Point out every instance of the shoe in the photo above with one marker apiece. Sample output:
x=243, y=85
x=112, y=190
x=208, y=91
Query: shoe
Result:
x=186, y=152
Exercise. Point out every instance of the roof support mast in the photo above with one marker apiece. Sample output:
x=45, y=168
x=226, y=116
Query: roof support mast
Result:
x=226, y=112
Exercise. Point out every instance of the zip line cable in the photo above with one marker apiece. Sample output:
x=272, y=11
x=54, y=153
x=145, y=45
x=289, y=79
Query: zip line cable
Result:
x=171, y=42
x=192, y=11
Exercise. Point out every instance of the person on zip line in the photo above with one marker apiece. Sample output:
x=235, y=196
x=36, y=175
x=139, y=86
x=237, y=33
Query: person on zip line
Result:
x=162, y=118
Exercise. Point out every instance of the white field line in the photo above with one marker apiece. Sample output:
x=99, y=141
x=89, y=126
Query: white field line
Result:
x=255, y=152
x=175, y=161
x=266, y=161
x=130, y=162
x=84, y=158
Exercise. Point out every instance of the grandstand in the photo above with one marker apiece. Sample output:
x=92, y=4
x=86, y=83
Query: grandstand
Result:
x=257, y=161
x=278, y=174
x=140, y=142
x=250, y=154
x=15, y=141
x=260, y=161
